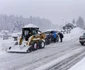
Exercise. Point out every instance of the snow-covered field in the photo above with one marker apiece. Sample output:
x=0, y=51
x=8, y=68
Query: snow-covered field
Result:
x=55, y=55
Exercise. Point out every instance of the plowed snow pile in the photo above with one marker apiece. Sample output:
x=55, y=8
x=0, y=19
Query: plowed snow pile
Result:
x=75, y=33
x=4, y=44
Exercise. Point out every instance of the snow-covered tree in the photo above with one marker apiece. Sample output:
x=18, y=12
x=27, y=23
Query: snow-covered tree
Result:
x=15, y=23
x=73, y=21
x=80, y=22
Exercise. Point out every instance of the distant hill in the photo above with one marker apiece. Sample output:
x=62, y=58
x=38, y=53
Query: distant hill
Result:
x=15, y=23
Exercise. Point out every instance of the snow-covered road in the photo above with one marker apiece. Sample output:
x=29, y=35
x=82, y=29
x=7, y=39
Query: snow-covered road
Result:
x=35, y=59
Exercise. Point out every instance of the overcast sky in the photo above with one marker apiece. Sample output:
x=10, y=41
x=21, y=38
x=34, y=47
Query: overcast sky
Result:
x=58, y=11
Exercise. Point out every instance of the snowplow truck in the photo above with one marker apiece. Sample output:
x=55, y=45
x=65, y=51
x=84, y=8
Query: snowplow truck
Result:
x=31, y=39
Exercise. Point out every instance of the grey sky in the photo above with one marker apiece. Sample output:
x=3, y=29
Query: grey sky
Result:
x=58, y=11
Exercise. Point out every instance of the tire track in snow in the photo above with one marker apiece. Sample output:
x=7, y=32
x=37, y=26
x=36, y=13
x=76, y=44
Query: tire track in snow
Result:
x=61, y=61
x=69, y=62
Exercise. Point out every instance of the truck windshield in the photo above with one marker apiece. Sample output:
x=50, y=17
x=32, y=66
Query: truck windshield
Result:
x=26, y=32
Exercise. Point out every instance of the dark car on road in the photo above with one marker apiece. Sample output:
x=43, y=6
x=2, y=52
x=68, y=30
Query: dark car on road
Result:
x=82, y=39
x=50, y=38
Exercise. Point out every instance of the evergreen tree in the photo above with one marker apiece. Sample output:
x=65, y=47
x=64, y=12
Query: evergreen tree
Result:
x=15, y=23
x=80, y=22
x=73, y=21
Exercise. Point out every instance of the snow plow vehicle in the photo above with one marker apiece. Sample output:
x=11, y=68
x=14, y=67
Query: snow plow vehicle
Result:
x=31, y=39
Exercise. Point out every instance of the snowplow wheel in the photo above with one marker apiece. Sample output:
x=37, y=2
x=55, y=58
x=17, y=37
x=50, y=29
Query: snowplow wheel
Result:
x=34, y=46
x=41, y=44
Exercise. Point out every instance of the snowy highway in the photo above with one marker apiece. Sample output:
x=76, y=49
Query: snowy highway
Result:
x=42, y=35
x=35, y=59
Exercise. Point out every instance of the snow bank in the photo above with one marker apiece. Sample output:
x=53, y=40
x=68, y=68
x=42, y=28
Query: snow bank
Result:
x=16, y=34
x=4, y=44
x=79, y=66
x=75, y=33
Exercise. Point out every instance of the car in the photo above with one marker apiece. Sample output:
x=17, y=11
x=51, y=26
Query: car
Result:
x=50, y=38
x=82, y=39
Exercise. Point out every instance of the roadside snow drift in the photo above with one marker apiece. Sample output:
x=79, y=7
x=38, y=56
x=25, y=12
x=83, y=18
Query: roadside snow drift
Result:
x=4, y=44
x=75, y=33
x=79, y=66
